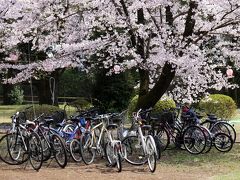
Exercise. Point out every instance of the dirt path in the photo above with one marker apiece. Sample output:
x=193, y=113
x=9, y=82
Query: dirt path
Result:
x=101, y=172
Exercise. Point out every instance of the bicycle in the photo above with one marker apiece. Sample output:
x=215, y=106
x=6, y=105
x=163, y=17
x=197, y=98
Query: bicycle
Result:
x=184, y=134
x=23, y=144
x=53, y=144
x=216, y=126
x=92, y=143
x=139, y=148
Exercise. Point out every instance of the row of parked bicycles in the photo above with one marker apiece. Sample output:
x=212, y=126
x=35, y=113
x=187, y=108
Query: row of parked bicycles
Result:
x=88, y=134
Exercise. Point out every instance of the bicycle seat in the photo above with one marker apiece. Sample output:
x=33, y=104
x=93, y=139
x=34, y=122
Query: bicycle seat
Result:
x=146, y=127
x=112, y=126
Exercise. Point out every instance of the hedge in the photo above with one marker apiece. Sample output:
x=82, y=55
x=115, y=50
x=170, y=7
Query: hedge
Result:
x=221, y=105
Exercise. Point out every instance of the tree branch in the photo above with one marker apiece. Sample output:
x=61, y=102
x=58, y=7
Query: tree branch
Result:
x=190, y=22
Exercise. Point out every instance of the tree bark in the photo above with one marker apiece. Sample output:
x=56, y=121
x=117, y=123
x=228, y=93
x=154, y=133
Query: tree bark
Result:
x=6, y=90
x=152, y=97
x=44, y=94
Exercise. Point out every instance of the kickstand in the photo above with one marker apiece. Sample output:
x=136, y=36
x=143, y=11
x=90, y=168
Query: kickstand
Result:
x=25, y=165
x=50, y=162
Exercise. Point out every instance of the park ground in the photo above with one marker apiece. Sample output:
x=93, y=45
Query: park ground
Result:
x=174, y=164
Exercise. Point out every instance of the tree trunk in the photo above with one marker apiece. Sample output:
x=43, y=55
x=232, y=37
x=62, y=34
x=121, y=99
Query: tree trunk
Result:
x=152, y=97
x=6, y=90
x=44, y=94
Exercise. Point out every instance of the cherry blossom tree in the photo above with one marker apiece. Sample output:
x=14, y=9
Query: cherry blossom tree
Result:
x=177, y=45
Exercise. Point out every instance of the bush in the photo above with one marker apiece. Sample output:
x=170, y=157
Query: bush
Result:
x=162, y=104
x=16, y=95
x=48, y=110
x=221, y=105
x=82, y=103
x=114, y=92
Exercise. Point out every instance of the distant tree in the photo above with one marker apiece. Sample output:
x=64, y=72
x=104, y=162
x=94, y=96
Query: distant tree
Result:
x=115, y=91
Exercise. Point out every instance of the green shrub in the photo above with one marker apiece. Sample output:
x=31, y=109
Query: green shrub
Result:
x=163, y=103
x=39, y=109
x=82, y=103
x=16, y=95
x=221, y=105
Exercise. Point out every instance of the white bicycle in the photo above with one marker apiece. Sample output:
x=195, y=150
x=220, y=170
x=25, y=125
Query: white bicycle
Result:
x=139, y=148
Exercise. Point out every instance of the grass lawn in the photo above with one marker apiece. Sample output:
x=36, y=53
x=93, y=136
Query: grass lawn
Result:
x=213, y=165
x=7, y=111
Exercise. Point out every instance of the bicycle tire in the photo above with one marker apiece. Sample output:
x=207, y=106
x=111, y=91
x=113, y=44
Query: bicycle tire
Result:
x=4, y=152
x=47, y=153
x=192, y=137
x=209, y=139
x=133, y=151
x=222, y=141
x=164, y=137
x=75, y=150
x=59, y=150
x=224, y=127
x=109, y=153
x=118, y=159
x=35, y=151
x=14, y=139
x=88, y=153
x=151, y=153
x=158, y=147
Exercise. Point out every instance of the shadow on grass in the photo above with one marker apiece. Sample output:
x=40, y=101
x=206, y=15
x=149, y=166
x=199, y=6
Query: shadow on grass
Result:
x=181, y=157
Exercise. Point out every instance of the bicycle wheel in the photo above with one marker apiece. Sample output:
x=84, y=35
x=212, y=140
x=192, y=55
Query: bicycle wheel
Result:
x=151, y=153
x=208, y=139
x=17, y=147
x=46, y=147
x=118, y=157
x=88, y=153
x=59, y=150
x=5, y=153
x=176, y=139
x=75, y=150
x=35, y=151
x=194, y=140
x=110, y=153
x=133, y=151
x=164, y=138
x=158, y=147
x=223, y=142
x=224, y=127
